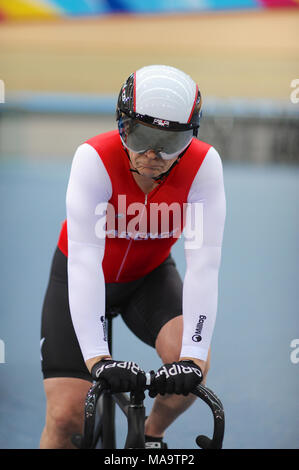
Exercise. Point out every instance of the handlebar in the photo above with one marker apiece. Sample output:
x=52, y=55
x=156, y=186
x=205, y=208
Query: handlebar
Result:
x=211, y=399
x=201, y=391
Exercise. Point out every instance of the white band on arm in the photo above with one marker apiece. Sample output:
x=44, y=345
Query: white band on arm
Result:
x=89, y=185
x=200, y=290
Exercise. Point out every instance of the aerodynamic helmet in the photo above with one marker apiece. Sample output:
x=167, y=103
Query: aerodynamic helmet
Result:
x=159, y=109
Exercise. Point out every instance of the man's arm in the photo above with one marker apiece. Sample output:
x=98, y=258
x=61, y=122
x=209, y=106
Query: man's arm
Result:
x=89, y=184
x=200, y=290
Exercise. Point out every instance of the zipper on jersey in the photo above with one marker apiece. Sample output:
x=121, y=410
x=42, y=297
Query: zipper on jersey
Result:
x=129, y=245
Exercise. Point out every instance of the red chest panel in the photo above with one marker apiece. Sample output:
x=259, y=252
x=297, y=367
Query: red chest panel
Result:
x=141, y=228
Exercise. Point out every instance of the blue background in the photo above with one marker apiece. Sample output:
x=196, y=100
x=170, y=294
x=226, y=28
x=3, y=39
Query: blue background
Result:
x=251, y=370
x=81, y=7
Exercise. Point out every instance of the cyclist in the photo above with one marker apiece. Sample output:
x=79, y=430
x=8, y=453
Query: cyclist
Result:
x=107, y=256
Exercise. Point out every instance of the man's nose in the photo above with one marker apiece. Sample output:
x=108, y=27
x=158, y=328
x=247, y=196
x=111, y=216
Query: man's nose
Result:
x=151, y=154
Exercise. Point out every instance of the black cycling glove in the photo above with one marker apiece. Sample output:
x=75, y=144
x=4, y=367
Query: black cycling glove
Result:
x=179, y=377
x=119, y=376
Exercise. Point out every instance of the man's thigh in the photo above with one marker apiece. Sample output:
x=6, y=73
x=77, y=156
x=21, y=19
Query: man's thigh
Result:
x=61, y=355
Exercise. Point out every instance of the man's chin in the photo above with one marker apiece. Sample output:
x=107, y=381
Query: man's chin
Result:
x=149, y=173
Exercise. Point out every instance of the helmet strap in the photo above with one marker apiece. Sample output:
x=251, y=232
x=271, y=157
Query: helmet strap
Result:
x=160, y=178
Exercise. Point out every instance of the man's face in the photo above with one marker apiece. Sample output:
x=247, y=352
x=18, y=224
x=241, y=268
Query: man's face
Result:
x=149, y=164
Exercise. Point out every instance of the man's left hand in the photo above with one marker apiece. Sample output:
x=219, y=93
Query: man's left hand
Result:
x=179, y=377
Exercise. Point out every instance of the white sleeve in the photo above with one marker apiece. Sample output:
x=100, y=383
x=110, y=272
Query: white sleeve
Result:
x=206, y=203
x=89, y=185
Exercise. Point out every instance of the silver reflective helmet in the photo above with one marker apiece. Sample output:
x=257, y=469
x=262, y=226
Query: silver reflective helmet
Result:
x=159, y=109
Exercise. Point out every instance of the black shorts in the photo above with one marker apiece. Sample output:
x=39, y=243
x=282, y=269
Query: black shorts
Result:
x=145, y=305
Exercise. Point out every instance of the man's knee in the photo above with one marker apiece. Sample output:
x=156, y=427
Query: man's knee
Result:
x=169, y=340
x=65, y=406
x=63, y=420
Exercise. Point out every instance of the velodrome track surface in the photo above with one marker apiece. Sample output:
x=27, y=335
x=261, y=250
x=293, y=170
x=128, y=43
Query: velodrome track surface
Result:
x=247, y=54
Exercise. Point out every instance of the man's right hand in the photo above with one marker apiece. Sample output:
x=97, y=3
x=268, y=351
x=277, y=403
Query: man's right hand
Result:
x=119, y=376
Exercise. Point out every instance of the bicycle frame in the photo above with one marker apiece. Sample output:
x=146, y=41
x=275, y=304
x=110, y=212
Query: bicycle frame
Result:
x=101, y=403
x=104, y=402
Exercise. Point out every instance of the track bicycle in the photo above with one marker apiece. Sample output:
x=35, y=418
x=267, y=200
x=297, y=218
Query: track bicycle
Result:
x=99, y=415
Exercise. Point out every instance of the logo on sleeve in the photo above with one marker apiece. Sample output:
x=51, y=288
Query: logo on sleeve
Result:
x=104, y=325
x=197, y=336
